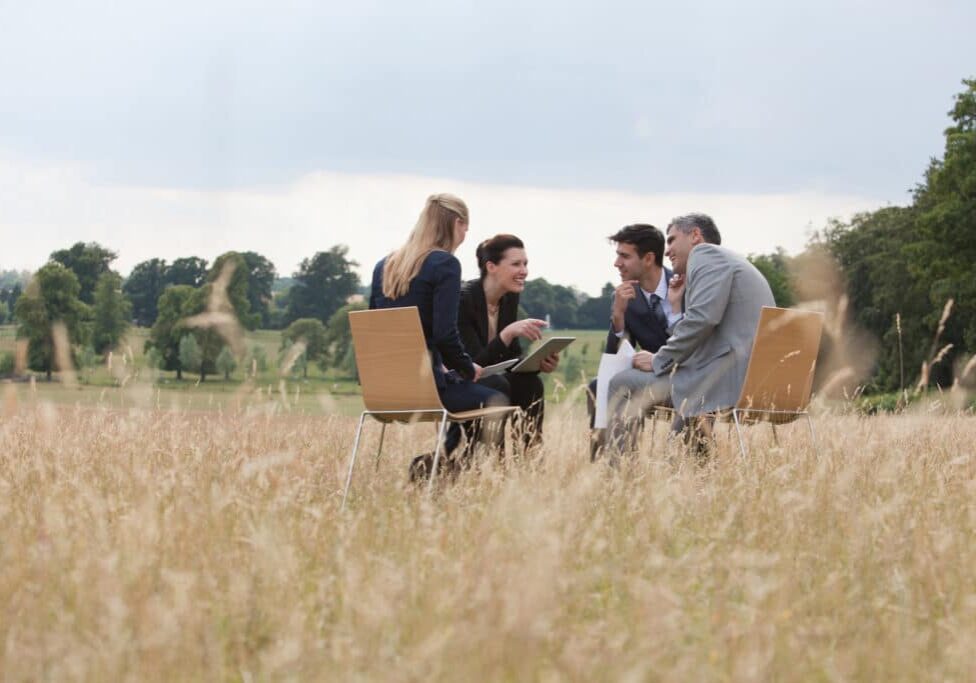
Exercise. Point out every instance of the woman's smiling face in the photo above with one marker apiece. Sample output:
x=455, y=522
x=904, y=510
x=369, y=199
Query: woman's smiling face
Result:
x=511, y=270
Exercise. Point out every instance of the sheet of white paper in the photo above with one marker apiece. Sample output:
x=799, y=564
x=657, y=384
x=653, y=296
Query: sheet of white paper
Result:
x=610, y=365
x=498, y=368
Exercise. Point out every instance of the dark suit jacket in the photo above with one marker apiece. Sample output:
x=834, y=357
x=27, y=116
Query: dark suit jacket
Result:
x=640, y=325
x=436, y=292
x=473, y=325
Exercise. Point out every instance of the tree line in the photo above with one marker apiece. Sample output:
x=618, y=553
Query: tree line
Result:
x=908, y=274
x=79, y=296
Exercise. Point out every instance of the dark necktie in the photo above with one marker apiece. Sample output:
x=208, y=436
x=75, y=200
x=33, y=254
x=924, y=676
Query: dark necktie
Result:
x=657, y=310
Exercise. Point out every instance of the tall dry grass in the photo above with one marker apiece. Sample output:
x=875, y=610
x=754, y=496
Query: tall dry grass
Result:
x=153, y=545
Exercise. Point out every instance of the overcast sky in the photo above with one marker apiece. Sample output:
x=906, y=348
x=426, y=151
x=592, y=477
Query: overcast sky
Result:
x=178, y=128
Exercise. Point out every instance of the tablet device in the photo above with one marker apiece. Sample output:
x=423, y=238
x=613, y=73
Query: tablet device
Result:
x=550, y=346
x=498, y=368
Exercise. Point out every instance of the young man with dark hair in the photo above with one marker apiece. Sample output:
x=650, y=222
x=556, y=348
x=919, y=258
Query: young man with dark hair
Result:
x=701, y=367
x=640, y=310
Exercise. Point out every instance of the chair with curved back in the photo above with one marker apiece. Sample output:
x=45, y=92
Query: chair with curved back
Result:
x=397, y=379
x=779, y=377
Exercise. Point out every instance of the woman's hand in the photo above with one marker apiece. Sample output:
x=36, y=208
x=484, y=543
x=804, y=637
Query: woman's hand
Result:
x=549, y=363
x=477, y=372
x=530, y=328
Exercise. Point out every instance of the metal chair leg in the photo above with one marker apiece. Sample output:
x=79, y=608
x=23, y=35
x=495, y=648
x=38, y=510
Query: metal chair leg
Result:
x=437, y=453
x=380, y=449
x=738, y=431
x=352, y=460
x=813, y=435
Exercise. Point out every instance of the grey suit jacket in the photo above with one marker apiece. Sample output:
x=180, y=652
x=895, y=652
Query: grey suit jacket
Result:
x=708, y=352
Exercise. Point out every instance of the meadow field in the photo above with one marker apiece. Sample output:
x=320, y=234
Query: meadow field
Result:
x=127, y=382
x=152, y=542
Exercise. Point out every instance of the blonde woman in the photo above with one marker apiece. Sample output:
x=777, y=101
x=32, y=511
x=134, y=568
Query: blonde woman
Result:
x=424, y=273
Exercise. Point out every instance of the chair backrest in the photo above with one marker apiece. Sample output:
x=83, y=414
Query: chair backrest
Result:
x=784, y=356
x=393, y=361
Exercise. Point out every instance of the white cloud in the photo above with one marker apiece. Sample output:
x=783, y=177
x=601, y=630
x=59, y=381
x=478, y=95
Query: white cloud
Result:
x=47, y=207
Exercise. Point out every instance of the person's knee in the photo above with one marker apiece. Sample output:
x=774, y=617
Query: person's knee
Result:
x=535, y=388
x=497, y=399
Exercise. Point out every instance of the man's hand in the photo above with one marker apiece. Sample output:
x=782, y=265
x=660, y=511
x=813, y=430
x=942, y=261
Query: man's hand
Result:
x=549, y=363
x=477, y=372
x=676, y=292
x=643, y=360
x=530, y=328
x=623, y=295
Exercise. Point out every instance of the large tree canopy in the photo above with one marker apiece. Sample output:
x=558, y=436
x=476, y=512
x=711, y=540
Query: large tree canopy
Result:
x=261, y=276
x=111, y=312
x=190, y=270
x=233, y=267
x=144, y=286
x=903, y=264
x=169, y=329
x=87, y=261
x=323, y=283
x=51, y=298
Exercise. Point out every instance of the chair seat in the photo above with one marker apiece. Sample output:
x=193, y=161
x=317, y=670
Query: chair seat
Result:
x=495, y=411
x=435, y=414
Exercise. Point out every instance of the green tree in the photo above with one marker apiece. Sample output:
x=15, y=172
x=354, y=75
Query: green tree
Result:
x=226, y=363
x=775, y=267
x=7, y=364
x=594, y=312
x=143, y=287
x=560, y=303
x=154, y=359
x=313, y=333
x=874, y=254
x=259, y=358
x=237, y=286
x=168, y=329
x=190, y=270
x=191, y=357
x=339, y=333
x=323, y=284
x=87, y=359
x=944, y=257
x=4, y=312
x=208, y=337
x=111, y=312
x=9, y=296
x=51, y=297
x=87, y=261
x=261, y=276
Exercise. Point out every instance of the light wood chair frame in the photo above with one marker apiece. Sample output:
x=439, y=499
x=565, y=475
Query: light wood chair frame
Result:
x=784, y=355
x=397, y=381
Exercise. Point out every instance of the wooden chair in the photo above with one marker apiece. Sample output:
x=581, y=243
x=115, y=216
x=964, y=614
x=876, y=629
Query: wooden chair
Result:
x=397, y=379
x=780, y=373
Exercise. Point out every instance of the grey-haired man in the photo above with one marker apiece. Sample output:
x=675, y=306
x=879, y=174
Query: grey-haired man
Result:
x=702, y=365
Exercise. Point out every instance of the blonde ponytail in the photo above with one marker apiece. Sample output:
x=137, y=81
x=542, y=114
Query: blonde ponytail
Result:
x=434, y=231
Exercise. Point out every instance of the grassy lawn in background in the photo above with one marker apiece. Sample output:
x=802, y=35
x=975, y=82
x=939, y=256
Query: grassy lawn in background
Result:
x=126, y=380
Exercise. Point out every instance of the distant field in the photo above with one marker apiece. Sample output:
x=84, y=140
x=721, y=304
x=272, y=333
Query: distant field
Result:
x=130, y=383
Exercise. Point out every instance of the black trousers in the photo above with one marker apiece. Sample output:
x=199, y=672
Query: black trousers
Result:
x=526, y=391
x=458, y=396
